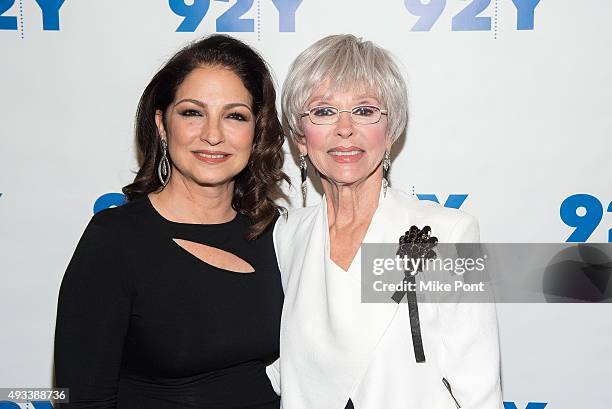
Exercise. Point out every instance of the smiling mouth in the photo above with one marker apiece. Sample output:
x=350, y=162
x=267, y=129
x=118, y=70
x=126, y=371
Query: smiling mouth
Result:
x=211, y=156
x=345, y=153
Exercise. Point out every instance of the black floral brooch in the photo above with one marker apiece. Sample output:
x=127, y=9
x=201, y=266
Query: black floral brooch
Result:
x=417, y=243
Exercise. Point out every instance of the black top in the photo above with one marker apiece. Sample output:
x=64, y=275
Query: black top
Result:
x=143, y=323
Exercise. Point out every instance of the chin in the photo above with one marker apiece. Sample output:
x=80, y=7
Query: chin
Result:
x=213, y=180
x=219, y=176
x=349, y=177
x=345, y=179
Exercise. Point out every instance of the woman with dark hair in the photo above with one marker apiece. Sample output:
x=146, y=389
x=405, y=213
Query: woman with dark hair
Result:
x=173, y=300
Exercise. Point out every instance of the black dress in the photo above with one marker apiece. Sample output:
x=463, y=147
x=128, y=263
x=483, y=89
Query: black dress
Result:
x=143, y=323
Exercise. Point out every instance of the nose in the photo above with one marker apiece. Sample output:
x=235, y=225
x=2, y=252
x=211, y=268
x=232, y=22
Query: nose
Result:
x=344, y=126
x=212, y=132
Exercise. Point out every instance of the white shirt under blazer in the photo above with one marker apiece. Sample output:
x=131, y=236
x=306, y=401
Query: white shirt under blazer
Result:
x=333, y=347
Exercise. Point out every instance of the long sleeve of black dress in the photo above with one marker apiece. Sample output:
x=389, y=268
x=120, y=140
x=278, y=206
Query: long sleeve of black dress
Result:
x=142, y=323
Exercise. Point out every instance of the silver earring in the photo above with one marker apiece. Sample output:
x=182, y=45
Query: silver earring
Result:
x=303, y=174
x=163, y=169
x=386, y=166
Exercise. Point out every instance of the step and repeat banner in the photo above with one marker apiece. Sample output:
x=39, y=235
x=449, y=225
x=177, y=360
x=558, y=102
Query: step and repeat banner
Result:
x=510, y=121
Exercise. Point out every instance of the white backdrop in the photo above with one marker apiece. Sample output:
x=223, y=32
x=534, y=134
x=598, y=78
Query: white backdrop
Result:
x=517, y=120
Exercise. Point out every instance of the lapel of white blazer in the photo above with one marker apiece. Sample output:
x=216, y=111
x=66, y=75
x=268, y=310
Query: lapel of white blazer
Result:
x=329, y=336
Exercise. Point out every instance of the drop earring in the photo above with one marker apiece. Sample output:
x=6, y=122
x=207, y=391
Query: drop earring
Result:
x=163, y=169
x=386, y=166
x=303, y=175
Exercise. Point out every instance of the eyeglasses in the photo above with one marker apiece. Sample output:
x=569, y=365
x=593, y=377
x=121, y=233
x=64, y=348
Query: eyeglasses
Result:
x=328, y=115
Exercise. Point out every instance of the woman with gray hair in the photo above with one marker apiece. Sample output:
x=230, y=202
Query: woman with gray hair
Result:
x=344, y=104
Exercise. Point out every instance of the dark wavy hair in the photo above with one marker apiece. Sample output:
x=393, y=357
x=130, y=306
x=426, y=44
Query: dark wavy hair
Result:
x=257, y=184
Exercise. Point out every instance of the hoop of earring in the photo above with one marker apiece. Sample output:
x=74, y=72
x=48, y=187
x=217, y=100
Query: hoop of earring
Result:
x=163, y=169
x=386, y=166
x=303, y=175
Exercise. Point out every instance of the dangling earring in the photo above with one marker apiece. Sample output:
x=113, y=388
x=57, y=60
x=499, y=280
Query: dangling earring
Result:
x=163, y=169
x=386, y=166
x=303, y=174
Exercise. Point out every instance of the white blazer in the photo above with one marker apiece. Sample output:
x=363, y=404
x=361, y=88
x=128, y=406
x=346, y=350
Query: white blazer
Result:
x=333, y=347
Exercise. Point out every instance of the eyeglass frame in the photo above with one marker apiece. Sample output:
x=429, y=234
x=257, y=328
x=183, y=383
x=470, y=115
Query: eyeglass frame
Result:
x=350, y=111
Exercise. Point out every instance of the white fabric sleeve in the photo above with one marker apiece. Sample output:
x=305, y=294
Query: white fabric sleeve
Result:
x=273, y=372
x=470, y=358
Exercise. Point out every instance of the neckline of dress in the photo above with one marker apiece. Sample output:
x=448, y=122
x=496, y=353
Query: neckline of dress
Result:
x=158, y=216
x=381, y=200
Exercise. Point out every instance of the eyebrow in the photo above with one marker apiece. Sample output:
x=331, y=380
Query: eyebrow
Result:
x=324, y=98
x=203, y=105
x=362, y=101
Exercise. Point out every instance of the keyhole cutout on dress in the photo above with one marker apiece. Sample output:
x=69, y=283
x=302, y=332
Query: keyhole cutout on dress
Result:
x=216, y=257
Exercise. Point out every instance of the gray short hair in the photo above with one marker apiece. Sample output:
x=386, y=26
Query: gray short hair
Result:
x=345, y=62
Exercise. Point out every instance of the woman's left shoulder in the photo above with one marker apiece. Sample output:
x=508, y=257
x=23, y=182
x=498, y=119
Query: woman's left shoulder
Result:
x=448, y=224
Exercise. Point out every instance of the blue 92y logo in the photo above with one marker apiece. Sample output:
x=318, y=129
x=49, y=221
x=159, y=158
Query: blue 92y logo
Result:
x=40, y=404
x=109, y=200
x=584, y=213
x=194, y=11
x=530, y=405
x=453, y=201
x=50, y=14
x=468, y=19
